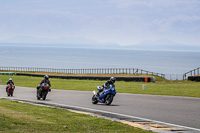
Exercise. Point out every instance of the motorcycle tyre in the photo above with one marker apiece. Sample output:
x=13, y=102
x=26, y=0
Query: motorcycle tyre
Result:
x=37, y=95
x=108, y=101
x=44, y=95
x=11, y=93
x=8, y=93
x=94, y=99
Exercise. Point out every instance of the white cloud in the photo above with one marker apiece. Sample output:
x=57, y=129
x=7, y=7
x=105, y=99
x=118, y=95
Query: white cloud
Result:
x=152, y=3
x=120, y=21
x=178, y=23
x=129, y=3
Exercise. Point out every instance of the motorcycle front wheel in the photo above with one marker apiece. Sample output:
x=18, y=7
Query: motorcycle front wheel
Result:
x=94, y=99
x=44, y=95
x=108, y=99
x=11, y=93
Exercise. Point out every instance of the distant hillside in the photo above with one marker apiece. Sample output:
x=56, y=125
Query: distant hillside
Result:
x=86, y=43
x=60, y=42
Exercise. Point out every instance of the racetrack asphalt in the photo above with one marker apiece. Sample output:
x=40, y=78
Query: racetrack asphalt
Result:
x=184, y=111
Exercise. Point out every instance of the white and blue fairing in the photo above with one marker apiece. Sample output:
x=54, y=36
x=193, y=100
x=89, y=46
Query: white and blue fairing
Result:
x=98, y=87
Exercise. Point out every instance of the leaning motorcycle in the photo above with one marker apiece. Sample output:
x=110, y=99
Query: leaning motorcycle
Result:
x=10, y=89
x=42, y=91
x=106, y=96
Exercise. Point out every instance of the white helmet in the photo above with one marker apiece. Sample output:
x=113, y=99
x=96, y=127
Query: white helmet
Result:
x=46, y=77
x=10, y=79
x=112, y=79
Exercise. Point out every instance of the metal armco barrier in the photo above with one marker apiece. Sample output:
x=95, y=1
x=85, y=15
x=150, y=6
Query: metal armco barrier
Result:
x=7, y=73
x=137, y=79
x=194, y=78
x=184, y=76
x=84, y=71
x=193, y=72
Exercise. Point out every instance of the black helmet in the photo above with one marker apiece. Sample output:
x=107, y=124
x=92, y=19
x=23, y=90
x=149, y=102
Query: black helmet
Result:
x=46, y=77
x=112, y=79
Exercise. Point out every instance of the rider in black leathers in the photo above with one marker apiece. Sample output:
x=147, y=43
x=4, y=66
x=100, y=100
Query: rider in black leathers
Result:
x=9, y=82
x=106, y=85
x=45, y=80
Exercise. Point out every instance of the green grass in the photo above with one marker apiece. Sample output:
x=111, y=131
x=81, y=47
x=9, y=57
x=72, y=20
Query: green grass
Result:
x=160, y=87
x=18, y=117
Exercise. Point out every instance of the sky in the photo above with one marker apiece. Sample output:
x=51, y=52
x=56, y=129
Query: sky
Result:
x=122, y=22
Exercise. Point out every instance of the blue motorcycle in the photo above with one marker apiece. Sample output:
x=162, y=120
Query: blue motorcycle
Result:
x=106, y=96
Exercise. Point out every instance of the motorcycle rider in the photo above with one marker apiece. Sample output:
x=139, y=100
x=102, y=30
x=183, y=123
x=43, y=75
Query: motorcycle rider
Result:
x=106, y=85
x=45, y=80
x=10, y=81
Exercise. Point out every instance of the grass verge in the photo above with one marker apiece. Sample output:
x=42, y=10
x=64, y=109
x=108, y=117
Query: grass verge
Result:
x=23, y=118
x=160, y=87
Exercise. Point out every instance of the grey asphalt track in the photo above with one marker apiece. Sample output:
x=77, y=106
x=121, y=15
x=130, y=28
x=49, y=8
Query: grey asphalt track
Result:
x=184, y=111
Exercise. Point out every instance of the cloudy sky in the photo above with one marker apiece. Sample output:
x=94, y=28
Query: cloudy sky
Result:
x=124, y=22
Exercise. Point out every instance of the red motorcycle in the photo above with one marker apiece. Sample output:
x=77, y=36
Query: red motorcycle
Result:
x=10, y=89
x=42, y=91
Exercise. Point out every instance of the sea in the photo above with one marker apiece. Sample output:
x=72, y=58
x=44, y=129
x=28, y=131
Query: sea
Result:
x=166, y=62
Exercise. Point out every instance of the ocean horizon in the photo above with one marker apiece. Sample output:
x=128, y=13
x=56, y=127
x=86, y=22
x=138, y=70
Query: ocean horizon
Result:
x=166, y=62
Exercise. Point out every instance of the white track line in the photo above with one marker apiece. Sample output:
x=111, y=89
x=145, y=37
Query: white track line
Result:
x=102, y=111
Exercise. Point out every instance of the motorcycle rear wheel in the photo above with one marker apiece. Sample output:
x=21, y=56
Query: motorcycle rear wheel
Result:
x=108, y=99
